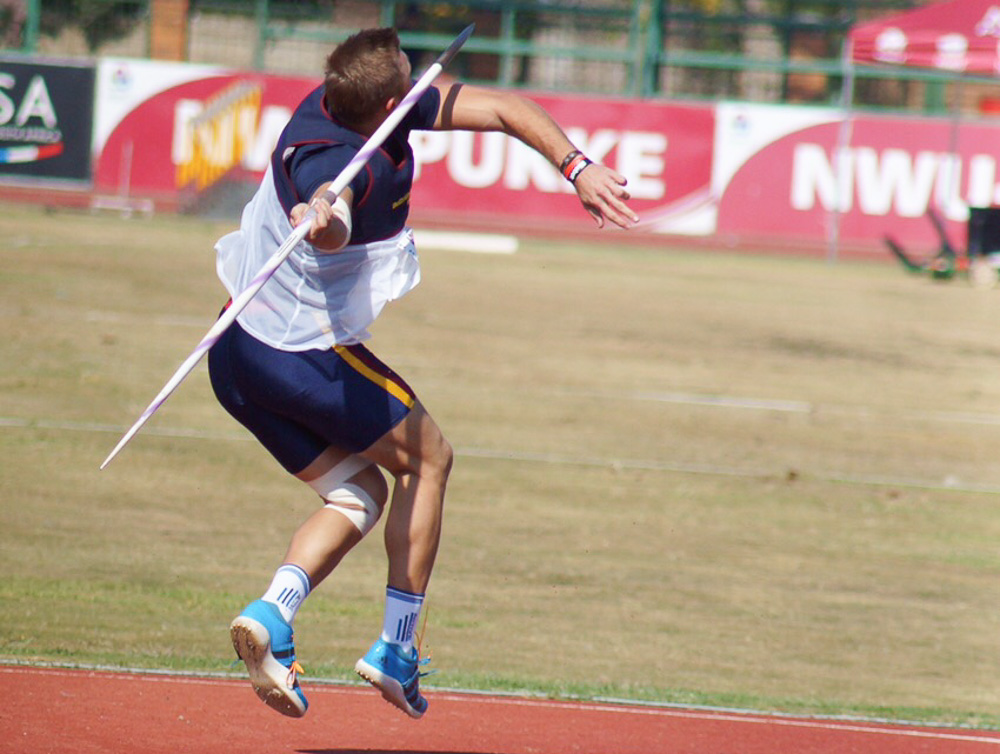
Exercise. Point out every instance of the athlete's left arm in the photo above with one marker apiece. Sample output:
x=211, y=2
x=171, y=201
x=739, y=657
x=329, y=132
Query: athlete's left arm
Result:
x=470, y=108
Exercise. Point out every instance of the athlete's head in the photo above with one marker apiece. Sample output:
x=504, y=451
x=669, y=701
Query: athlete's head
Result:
x=363, y=73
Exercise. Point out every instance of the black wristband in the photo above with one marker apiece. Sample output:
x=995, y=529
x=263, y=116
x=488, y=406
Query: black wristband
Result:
x=576, y=167
x=568, y=159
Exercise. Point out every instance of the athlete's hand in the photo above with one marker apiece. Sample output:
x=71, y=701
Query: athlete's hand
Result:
x=603, y=194
x=331, y=227
x=324, y=213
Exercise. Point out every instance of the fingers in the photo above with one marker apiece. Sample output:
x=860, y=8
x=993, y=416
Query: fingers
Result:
x=617, y=211
x=297, y=213
x=605, y=196
x=323, y=212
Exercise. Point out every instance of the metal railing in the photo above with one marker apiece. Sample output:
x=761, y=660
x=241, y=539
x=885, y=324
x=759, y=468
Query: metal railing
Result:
x=757, y=50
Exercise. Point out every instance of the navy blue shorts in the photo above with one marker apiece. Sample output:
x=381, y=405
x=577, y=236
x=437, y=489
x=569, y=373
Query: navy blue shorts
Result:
x=298, y=403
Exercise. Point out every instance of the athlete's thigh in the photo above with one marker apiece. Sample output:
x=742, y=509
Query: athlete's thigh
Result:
x=293, y=445
x=413, y=442
x=344, y=395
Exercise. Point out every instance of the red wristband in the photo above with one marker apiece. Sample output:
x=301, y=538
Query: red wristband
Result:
x=574, y=165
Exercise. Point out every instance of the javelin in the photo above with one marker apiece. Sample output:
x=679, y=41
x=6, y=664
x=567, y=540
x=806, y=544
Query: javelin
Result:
x=297, y=235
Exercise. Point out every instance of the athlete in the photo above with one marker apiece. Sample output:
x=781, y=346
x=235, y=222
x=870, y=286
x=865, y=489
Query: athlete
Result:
x=293, y=368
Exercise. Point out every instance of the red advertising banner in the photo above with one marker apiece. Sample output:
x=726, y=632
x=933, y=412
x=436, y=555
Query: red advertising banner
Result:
x=807, y=174
x=173, y=132
x=177, y=133
x=664, y=150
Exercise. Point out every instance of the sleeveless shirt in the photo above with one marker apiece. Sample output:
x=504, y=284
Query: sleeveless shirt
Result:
x=316, y=299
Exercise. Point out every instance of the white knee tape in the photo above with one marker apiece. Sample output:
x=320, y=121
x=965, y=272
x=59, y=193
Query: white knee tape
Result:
x=348, y=499
x=340, y=473
x=352, y=501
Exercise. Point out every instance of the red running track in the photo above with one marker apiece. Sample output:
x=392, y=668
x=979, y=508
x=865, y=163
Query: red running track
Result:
x=80, y=711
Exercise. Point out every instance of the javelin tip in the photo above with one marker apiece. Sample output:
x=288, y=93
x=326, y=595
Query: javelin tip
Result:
x=445, y=57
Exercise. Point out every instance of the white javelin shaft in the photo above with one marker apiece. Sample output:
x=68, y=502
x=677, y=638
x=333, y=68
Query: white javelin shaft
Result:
x=297, y=235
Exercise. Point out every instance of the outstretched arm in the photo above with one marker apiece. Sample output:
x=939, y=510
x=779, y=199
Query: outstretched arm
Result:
x=469, y=108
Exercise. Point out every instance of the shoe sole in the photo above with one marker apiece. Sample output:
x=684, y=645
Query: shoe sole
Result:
x=269, y=677
x=392, y=690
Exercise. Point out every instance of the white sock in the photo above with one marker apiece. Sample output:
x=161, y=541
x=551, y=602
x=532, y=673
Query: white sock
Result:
x=401, y=612
x=288, y=588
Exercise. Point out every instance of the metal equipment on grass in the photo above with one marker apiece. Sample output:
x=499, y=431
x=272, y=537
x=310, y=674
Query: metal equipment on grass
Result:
x=980, y=260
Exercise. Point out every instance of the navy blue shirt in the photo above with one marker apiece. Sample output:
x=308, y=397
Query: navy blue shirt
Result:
x=315, y=147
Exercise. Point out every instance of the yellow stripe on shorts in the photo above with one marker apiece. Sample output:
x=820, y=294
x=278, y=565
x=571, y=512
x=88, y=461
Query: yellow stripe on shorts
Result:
x=386, y=383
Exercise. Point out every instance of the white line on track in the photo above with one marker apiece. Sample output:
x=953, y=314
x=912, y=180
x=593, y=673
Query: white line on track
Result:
x=622, y=707
x=618, y=464
x=788, y=406
x=67, y=426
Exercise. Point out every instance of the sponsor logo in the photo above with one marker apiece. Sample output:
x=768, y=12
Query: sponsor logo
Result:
x=29, y=124
x=951, y=52
x=211, y=138
x=890, y=46
x=989, y=25
x=480, y=161
x=892, y=181
x=230, y=131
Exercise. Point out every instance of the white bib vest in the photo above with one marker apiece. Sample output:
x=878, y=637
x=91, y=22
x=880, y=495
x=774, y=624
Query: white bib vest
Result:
x=314, y=299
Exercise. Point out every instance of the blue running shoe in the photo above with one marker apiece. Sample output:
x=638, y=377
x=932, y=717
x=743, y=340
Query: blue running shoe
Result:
x=264, y=641
x=396, y=673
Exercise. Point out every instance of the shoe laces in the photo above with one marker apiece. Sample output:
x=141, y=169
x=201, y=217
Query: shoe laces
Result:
x=423, y=661
x=293, y=670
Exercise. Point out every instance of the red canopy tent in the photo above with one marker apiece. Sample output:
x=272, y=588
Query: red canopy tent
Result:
x=957, y=35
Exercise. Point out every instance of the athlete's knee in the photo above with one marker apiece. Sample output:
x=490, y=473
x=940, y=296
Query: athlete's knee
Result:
x=356, y=489
x=356, y=504
x=371, y=479
x=434, y=459
x=414, y=447
x=444, y=457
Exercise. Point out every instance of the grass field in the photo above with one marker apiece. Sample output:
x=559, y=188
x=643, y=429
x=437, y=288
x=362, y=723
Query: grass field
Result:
x=681, y=475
